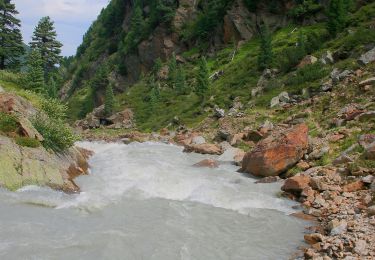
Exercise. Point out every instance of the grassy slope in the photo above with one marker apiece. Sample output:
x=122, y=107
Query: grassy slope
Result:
x=240, y=76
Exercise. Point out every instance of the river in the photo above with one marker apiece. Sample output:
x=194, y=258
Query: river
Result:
x=146, y=201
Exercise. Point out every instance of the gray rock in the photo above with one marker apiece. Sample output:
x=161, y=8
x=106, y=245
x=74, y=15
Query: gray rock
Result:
x=1, y=89
x=337, y=227
x=284, y=97
x=219, y=113
x=335, y=75
x=327, y=86
x=222, y=135
x=368, y=179
x=345, y=74
x=367, y=57
x=327, y=58
x=360, y=247
x=275, y=102
x=198, y=140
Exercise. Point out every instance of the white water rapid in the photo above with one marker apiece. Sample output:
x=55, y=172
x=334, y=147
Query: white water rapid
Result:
x=146, y=201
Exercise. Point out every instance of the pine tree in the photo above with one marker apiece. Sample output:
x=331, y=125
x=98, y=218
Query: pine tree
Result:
x=52, y=88
x=100, y=81
x=35, y=74
x=135, y=29
x=337, y=12
x=109, y=102
x=44, y=38
x=172, y=69
x=180, y=83
x=11, y=45
x=265, y=58
x=203, y=81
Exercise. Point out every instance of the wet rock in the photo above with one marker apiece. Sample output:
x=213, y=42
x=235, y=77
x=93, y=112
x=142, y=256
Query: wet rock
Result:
x=313, y=238
x=278, y=152
x=296, y=184
x=270, y=179
x=207, y=163
x=203, y=149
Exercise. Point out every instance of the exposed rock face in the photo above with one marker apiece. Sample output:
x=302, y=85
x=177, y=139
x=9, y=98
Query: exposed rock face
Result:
x=10, y=103
x=367, y=57
x=22, y=166
x=277, y=153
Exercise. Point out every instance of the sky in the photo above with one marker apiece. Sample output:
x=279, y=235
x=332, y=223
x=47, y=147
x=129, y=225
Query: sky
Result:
x=72, y=18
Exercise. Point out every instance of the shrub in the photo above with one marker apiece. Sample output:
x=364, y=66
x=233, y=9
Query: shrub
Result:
x=308, y=73
x=8, y=123
x=53, y=108
x=27, y=142
x=57, y=135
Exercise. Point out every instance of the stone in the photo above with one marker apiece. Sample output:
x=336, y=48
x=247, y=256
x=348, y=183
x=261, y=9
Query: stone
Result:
x=327, y=86
x=28, y=130
x=327, y=58
x=308, y=60
x=232, y=154
x=266, y=127
x=278, y=152
x=296, y=184
x=303, y=165
x=275, y=102
x=354, y=186
x=366, y=140
x=337, y=227
x=367, y=57
x=123, y=119
x=360, y=247
x=203, y=149
x=13, y=104
x=198, y=140
x=284, y=97
x=313, y=238
x=1, y=89
x=270, y=179
x=368, y=179
x=21, y=166
x=207, y=163
x=219, y=113
x=369, y=81
x=222, y=134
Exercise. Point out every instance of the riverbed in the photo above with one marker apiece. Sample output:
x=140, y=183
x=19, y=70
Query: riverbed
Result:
x=146, y=201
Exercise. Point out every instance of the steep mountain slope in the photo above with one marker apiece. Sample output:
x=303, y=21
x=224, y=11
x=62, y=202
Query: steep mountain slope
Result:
x=128, y=39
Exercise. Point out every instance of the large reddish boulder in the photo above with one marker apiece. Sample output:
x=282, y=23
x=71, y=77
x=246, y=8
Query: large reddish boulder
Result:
x=278, y=152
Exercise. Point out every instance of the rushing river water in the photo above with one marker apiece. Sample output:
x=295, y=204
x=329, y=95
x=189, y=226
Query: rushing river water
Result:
x=146, y=201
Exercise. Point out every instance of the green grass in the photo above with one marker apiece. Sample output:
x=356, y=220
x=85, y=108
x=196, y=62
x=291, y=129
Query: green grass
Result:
x=28, y=142
x=8, y=123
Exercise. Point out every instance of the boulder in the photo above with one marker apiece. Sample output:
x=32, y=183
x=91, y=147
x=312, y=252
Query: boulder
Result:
x=337, y=227
x=219, y=113
x=13, y=104
x=28, y=130
x=367, y=57
x=22, y=166
x=123, y=119
x=207, y=163
x=308, y=60
x=284, y=97
x=313, y=238
x=203, y=149
x=278, y=152
x=354, y=186
x=198, y=140
x=327, y=58
x=275, y=102
x=296, y=184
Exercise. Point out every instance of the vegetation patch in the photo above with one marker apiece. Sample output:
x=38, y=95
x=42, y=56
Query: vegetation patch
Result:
x=27, y=142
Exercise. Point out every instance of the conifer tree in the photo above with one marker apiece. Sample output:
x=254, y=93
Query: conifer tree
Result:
x=11, y=45
x=135, y=29
x=172, y=66
x=337, y=12
x=109, y=102
x=265, y=58
x=203, y=81
x=180, y=81
x=100, y=81
x=35, y=74
x=52, y=88
x=44, y=38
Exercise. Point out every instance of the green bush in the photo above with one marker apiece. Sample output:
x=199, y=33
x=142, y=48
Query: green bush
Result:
x=27, y=142
x=57, y=135
x=53, y=108
x=8, y=123
x=308, y=73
